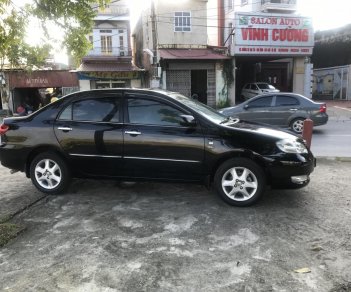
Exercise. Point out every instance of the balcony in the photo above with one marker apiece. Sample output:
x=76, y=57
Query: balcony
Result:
x=285, y=6
x=110, y=52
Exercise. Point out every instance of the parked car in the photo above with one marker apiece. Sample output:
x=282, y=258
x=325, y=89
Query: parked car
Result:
x=131, y=135
x=287, y=110
x=252, y=89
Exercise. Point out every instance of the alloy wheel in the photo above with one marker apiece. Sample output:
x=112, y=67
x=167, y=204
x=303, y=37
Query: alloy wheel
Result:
x=297, y=126
x=239, y=183
x=48, y=174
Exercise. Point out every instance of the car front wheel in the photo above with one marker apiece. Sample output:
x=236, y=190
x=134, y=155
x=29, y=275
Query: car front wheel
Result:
x=297, y=125
x=240, y=182
x=49, y=173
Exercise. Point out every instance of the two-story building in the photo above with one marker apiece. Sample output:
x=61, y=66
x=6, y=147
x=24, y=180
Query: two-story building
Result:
x=171, y=44
x=109, y=62
x=268, y=42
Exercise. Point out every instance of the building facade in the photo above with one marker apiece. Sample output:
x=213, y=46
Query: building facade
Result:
x=268, y=42
x=109, y=63
x=171, y=43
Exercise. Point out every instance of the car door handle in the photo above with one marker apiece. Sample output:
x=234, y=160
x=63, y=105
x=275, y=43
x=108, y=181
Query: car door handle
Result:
x=135, y=133
x=65, y=129
x=293, y=109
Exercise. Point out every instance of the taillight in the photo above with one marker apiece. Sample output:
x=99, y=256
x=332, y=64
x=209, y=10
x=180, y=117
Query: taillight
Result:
x=323, y=108
x=3, y=129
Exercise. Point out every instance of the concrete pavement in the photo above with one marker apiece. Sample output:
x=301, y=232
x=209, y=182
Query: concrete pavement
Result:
x=13, y=200
x=212, y=247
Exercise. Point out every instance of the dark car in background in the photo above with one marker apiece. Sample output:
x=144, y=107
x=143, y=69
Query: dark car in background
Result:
x=287, y=110
x=131, y=134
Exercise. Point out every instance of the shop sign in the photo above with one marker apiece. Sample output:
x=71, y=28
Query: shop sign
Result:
x=272, y=34
x=109, y=75
x=37, y=81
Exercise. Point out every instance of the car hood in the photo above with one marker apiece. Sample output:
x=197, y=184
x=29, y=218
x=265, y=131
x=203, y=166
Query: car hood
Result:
x=261, y=129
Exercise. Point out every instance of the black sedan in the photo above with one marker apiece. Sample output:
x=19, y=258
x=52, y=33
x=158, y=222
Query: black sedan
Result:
x=288, y=110
x=131, y=134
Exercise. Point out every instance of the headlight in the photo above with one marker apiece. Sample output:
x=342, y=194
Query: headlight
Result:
x=291, y=146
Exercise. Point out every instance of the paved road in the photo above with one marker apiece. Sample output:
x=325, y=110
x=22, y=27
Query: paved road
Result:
x=334, y=138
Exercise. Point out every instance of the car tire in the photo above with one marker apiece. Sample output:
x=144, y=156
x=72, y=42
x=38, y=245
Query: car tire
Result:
x=49, y=173
x=296, y=125
x=240, y=182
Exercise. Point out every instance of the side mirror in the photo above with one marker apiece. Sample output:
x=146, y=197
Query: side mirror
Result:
x=246, y=106
x=188, y=121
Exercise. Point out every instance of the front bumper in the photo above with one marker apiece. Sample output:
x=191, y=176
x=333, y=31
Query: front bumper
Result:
x=291, y=173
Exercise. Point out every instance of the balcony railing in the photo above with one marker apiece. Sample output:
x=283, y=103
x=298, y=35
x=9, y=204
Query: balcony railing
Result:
x=279, y=5
x=110, y=51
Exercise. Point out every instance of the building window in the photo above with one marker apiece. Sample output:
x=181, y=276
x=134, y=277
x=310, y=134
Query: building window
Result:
x=182, y=21
x=230, y=4
x=121, y=42
x=106, y=44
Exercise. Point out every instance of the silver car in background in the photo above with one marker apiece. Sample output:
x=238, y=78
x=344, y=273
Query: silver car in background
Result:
x=287, y=110
x=252, y=89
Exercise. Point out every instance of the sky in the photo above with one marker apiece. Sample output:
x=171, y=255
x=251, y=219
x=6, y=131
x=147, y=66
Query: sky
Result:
x=325, y=14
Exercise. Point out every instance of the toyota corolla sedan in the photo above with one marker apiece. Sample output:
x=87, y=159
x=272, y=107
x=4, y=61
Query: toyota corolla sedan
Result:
x=152, y=135
x=284, y=109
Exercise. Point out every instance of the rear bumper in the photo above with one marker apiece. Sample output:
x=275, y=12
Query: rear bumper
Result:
x=320, y=119
x=13, y=159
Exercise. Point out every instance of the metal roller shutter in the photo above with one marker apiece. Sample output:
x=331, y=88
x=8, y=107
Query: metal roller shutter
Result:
x=179, y=81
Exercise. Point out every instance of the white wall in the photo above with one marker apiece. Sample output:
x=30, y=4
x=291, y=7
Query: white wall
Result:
x=299, y=75
x=84, y=85
x=135, y=83
x=212, y=23
x=165, y=22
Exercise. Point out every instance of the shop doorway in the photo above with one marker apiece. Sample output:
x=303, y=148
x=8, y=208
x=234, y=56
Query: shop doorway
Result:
x=275, y=72
x=199, y=85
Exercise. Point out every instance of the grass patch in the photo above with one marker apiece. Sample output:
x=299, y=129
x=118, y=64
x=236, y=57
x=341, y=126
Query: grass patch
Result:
x=9, y=231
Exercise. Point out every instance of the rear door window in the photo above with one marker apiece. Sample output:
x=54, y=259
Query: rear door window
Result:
x=105, y=109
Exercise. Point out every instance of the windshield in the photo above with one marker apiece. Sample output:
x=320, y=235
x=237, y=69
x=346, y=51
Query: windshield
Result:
x=202, y=109
x=265, y=86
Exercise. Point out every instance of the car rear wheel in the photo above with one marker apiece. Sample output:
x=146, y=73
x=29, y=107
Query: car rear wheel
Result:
x=297, y=125
x=240, y=182
x=49, y=173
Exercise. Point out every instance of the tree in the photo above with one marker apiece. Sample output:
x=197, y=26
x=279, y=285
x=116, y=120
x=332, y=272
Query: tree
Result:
x=14, y=51
x=12, y=30
x=75, y=18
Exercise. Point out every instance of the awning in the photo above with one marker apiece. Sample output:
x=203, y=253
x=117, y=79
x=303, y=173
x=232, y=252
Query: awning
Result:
x=107, y=67
x=42, y=79
x=191, y=54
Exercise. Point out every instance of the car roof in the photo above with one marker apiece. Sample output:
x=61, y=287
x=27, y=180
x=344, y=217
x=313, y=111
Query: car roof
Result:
x=280, y=93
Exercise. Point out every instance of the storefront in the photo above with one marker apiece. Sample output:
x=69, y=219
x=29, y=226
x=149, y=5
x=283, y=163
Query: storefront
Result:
x=195, y=73
x=110, y=72
x=273, y=48
x=30, y=89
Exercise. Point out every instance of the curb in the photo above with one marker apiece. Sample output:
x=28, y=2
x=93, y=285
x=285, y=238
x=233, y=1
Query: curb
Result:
x=333, y=158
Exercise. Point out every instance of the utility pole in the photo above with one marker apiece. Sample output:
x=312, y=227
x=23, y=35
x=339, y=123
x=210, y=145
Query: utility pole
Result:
x=154, y=40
